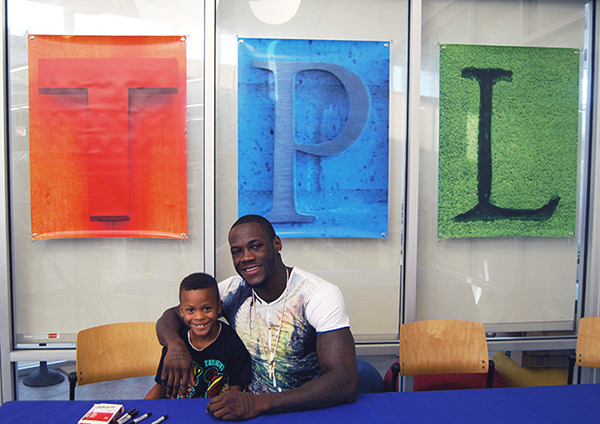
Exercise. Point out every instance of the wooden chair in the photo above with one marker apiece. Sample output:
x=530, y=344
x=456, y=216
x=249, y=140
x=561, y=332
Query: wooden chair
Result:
x=444, y=347
x=115, y=351
x=587, y=353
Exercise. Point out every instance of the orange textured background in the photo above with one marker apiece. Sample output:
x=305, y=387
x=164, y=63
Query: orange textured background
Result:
x=59, y=124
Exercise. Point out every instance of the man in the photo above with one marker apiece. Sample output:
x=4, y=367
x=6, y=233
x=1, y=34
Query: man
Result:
x=293, y=324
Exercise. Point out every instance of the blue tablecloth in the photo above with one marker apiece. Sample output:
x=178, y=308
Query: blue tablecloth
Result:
x=545, y=405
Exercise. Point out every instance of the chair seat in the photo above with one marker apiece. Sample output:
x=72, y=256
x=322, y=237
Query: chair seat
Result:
x=369, y=379
x=446, y=381
x=455, y=381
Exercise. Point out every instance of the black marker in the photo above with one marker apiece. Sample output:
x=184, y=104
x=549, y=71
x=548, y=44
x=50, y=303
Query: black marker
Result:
x=127, y=416
x=142, y=417
x=161, y=419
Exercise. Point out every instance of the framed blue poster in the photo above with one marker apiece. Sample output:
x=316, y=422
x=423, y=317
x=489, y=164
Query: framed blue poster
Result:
x=313, y=118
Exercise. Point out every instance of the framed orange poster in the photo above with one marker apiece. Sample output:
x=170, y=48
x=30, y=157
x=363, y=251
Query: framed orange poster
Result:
x=107, y=119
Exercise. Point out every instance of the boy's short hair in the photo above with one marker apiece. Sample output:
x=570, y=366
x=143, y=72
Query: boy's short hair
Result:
x=197, y=281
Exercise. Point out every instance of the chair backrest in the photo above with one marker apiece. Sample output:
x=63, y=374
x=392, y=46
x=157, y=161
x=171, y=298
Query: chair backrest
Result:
x=443, y=347
x=588, y=342
x=114, y=351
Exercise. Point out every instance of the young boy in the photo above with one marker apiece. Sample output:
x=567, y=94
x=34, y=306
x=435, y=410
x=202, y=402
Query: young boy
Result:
x=220, y=360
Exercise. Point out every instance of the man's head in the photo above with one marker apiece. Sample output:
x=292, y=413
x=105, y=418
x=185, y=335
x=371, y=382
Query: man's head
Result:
x=255, y=250
x=262, y=221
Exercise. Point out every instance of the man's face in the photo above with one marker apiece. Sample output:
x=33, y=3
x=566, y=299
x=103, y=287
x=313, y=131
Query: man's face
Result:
x=254, y=255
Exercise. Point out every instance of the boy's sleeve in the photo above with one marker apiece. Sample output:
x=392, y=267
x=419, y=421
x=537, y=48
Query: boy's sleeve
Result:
x=241, y=368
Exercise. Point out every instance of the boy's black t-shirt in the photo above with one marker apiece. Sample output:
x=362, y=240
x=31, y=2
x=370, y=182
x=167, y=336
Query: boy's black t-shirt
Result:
x=222, y=364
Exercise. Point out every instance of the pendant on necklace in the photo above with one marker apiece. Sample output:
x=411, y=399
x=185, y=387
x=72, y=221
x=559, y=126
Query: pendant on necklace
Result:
x=271, y=371
x=272, y=368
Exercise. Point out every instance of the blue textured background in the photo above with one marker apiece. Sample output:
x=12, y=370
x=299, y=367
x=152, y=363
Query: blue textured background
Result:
x=347, y=192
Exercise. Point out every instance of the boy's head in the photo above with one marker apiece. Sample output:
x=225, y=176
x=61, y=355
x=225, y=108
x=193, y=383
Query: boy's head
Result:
x=199, y=305
x=197, y=281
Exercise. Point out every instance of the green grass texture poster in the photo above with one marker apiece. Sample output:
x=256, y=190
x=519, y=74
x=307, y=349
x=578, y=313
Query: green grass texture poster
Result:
x=509, y=125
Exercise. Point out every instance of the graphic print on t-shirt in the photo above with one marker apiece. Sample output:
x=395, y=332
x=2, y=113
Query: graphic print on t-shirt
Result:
x=206, y=381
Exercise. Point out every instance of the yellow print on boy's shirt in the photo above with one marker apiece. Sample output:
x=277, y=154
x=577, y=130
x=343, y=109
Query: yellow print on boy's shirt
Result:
x=212, y=378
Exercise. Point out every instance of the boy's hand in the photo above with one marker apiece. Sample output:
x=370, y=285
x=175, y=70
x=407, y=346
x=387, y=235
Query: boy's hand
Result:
x=176, y=368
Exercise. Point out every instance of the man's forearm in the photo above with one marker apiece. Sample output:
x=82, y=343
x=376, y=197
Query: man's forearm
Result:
x=177, y=362
x=328, y=390
x=168, y=327
x=324, y=391
x=338, y=384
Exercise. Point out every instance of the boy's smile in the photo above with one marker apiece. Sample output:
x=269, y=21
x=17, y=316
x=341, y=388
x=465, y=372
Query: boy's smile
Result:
x=200, y=310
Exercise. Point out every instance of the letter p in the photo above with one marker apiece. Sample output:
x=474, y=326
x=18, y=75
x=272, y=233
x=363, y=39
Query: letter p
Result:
x=284, y=205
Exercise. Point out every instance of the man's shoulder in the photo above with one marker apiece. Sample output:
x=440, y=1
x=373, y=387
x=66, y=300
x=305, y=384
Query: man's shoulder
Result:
x=309, y=280
x=325, y=305
x=305, y=275
x=234, y=280
x=309, y=275
x=232, y=287
x=234, y=292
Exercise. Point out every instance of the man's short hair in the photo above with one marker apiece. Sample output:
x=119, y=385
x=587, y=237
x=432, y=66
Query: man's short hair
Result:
x=197, y=281
x=257, y=219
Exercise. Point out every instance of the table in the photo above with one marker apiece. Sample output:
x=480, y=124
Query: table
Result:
x=545, y=405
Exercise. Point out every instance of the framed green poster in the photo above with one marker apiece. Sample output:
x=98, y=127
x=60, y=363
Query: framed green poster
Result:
x=509, y=125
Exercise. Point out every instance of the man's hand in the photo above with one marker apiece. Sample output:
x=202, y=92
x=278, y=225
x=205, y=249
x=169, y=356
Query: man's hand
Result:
x=235, y=406
x=178, y=361
x=338, y=384
x=176, y=369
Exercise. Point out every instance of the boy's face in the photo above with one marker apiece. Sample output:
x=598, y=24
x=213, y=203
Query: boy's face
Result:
x=200, y=310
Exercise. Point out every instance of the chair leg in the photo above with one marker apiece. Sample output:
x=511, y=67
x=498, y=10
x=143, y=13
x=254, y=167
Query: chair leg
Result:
x=571, y=368
x=72, y=384
x=395, y=373
x=490, y=375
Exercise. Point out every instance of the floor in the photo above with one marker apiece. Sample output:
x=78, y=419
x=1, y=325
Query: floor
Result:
x=131, y=388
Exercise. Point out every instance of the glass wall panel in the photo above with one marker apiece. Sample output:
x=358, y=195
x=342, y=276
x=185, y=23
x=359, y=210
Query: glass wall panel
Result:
x=508, y=283
x=367, y=270
x=61, y=286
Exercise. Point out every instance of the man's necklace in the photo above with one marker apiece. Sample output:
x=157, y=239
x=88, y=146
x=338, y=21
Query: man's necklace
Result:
x=271, y=351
